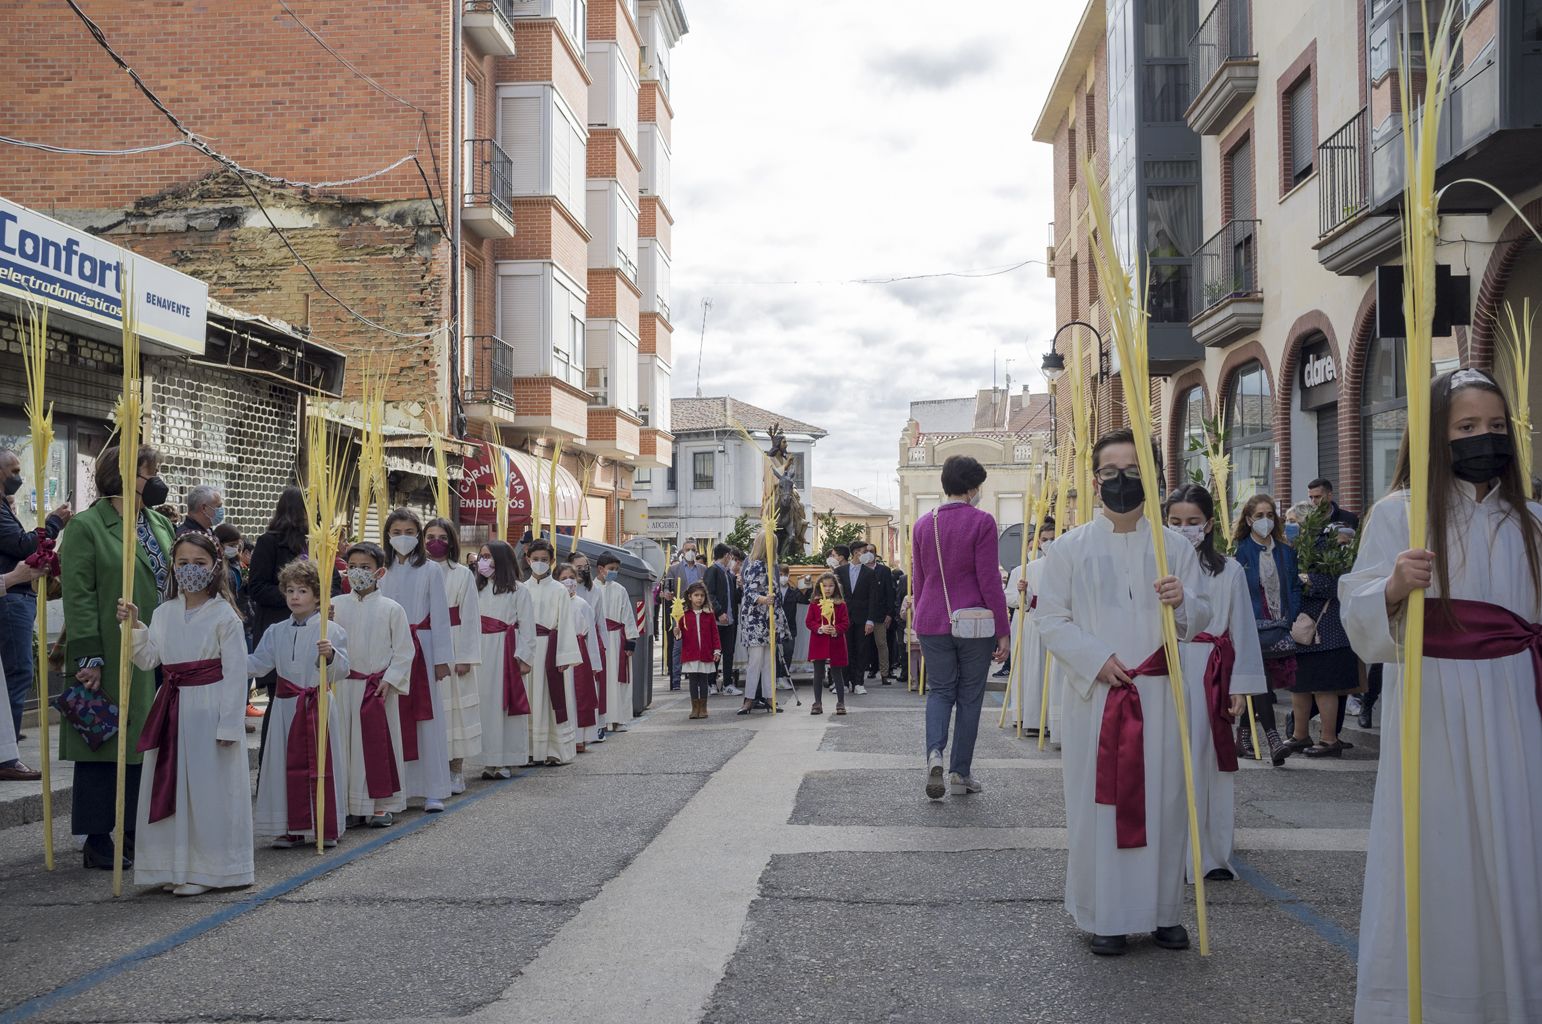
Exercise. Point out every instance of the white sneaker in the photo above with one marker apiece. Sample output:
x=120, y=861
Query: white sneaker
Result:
x=934, y=780
x=503, y=773
x=1352, y=707
x=860, y=690
x=433, y=806
x=733, y=690
x=457, y=783
x=963, y=784
x=190, y=889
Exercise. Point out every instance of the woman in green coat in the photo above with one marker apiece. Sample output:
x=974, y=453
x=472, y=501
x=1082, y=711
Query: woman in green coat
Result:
x=91, y=559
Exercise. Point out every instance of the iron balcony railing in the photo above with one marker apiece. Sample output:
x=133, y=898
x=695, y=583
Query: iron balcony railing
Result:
x=1342, y=192
x=1226, y=34
x=504, y=9
x=490, y=377
x=489, y=176
x=1226, y=266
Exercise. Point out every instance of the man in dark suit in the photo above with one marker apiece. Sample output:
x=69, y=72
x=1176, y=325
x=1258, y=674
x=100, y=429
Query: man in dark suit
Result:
x=1321, y=493
x=723, y=588
x=859, y=586
x=877, y=659
x=897, y=652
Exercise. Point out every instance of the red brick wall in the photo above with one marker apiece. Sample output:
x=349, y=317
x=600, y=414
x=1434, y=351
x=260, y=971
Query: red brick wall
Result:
x=653, y=222
x=653, y=106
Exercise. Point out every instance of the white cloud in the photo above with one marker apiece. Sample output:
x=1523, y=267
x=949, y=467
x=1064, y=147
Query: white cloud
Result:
x=857, y=139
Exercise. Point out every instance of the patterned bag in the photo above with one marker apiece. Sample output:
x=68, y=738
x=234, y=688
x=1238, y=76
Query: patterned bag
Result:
x=91, y=714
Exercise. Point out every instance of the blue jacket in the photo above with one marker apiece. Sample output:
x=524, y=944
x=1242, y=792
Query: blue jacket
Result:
x=1249, y=551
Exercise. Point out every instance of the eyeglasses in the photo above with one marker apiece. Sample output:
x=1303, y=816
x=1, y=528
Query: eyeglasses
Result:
x=1108, y=474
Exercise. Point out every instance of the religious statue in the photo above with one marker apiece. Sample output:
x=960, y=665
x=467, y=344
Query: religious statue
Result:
x=791, y=519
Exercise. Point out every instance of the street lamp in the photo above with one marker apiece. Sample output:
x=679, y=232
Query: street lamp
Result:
x=1053, y=367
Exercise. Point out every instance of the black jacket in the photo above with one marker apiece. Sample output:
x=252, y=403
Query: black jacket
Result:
x=886, y=598
x=724, y=591
x=899, y=594
x=16, y=541
x=865, y=600
x=269, y=555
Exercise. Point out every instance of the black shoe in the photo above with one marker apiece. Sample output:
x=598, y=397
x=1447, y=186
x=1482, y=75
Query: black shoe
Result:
x=887, y=681
x=99, y=856
x=1366, y=706
x=675, y=686
x=1110, y=945
x=1219, y=875
x=1334, y=749
x=1174, y=936
x=1244, y=742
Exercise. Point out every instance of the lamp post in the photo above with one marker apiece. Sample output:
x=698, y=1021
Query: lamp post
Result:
x=1053, y=367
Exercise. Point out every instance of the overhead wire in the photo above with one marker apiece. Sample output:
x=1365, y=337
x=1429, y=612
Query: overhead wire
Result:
x=896, y=279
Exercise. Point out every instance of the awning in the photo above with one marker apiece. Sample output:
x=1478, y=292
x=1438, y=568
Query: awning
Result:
x=529, y=488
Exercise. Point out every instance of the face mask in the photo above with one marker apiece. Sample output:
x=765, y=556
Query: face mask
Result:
x=1122, y=494
x=804, y=584
x=974, y=500
x=867, y=558
x=1292, y=531
x=485, y=567
x=571, y=584
x=1263, y=527
x=784, y=580
x=12, y=484
x=193, y=578
x=437, y=548
x=1480, y=459
x=404, y=544
x=1044, y=544
x=586, y=577
x=232, y=552
x=690, y=557
x=540, y=568
x=153, y=493
x=833, y=562
x=218, y=516
x=360, y=577
x=1195, y=534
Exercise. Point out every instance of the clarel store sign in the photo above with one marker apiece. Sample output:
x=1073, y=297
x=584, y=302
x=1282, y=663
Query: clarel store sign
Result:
x=79, y=275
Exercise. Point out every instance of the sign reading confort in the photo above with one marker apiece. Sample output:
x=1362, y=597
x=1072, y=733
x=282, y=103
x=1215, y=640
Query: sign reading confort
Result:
x=79, y=274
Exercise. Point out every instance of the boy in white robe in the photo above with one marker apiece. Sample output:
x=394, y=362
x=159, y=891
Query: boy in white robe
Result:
x=380, y=672
x=1100, y=616
x=553, y=707
x=286, y=792
x=617, y=624
x=1025, y=684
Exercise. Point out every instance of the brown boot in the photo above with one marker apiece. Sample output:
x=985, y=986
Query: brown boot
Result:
x=703, y=712
x=695, y=709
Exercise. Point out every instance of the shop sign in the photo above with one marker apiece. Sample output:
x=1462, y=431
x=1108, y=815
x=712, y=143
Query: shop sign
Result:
x=1319, y=377
x=475, y=489
x=79, y=275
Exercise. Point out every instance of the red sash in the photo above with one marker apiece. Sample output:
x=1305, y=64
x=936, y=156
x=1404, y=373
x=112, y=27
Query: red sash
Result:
x=620, y=629
x=515, y=700
x=161, y=726
x=554, y=692
x=380, y=778
x=1218, y=669
x=455, y=615
x=1121, y=766
x=300, y=759
x=583, y=687
x=1483, y=632
x=418, y=704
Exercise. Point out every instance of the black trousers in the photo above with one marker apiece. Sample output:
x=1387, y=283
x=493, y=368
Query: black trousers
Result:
x=701, y=684
x=837, y=676
x=728, y=638
x=94, y=798
x=857, y=652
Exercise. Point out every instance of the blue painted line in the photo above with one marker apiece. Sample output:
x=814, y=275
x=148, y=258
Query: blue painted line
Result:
x=1297, y=908
x=231, y=911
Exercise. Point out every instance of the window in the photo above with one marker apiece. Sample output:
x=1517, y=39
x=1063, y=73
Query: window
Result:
x=1299, y=123
x=799, y=475
x=1380, y=49
x=1191, y=436
x=702, y=471
x=642, y=480
x=1070, y=149
x=1090, y=119
x=1092, y=269
x=1076, y=288
x=1384, y=413
x=1250, y=432
x=549, y=145
x=674, y=470
x=1164, y=43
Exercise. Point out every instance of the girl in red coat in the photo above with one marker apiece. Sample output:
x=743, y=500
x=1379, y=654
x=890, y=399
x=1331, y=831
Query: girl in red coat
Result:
x=827, y=622
x=700, y=650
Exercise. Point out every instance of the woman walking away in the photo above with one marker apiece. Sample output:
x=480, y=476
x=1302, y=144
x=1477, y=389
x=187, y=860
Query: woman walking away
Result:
x=700, y=648
x=960, y=618
x=1274, y=586
x=827, y=623
x=1481, y=723
x=1220, y=666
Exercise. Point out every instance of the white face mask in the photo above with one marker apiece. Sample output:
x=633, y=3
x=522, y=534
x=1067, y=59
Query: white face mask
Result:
x=867, y=558
x=572, y=585
x=1195, y=534
x=833, y=562
x=404, y=544
x=540, y=568
x=690, y=557
x=785, y=580
x=1263, y=527
x=232, y=551
x=974, y=499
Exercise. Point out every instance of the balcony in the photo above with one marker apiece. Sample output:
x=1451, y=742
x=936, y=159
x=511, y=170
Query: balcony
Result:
x=487, y=204
x=657, y=449
x=1352, y=242
x=614, y=433
x=486, y=23
x=489, y=376
x=1223, y=66
x=1227, y=295
x=550, y=406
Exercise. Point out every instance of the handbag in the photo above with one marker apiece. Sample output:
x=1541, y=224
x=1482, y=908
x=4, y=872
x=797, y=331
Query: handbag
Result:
x=1304, y=630
x=965, y=623
x=1275, y=638
x=90, y=713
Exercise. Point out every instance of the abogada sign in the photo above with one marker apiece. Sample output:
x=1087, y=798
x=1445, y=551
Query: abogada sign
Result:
x=45, y=261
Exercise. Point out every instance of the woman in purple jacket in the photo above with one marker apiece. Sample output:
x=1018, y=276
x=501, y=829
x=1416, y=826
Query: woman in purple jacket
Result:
x=955, y=569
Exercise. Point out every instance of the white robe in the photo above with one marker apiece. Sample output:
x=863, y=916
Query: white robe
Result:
x=1097, y=599
x=505, y=738
x=208, y=840
x=458, y=692
x=419, y=589
x=290, y=649
x=1481, y=819
x=1025, y=685
x=589, y=638
x=380, y=640
x=1231, y=611
x=616, y=606
x=553, y=610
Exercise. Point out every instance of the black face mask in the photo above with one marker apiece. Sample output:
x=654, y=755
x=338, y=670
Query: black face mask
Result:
x=587, y=578
x=154, y=492
x=1482, y=458
x=12, y=484
x=1123, y=493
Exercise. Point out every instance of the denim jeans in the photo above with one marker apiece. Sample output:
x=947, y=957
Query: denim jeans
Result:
x=955, y=688
x=674, y=663
x=18, y=649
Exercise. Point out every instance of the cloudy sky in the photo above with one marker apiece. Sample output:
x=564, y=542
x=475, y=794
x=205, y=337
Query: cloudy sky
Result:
x=816, y=145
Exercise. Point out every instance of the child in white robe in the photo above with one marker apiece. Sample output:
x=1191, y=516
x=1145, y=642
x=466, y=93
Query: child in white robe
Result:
x=1100, y=613
x=586, y=677
x=291, y=649
x=1480, y=826
x=1229, y=646
x=380, y=672
x=417, y=584
x=1025, y=684
x=617, y=625
x=553, y=708
x=195, y=812
x=458, y=692
x=508, y=658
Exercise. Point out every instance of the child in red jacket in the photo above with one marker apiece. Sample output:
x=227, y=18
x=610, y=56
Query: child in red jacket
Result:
x=827, y=622
x=700, y=649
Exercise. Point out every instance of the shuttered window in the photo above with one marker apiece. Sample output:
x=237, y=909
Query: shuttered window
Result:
x=1239, y=169
x=521, y=322
x=1303, y=144
x=519, y=133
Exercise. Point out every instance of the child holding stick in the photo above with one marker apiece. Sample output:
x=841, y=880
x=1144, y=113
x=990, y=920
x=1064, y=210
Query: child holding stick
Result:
x=508, y=655
x=827, y=621
x=586, y=676
x=458, y=690
x=700, y=646
x=195, y=816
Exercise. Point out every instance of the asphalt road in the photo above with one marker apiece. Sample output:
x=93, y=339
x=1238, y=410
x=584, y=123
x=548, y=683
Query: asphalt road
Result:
x=742, y=869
